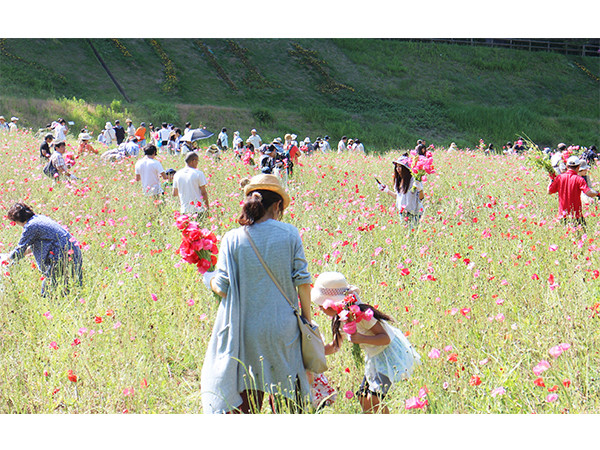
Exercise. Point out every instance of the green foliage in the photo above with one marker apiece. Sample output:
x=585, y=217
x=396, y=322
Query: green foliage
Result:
x=389, y=92
x=263, y=116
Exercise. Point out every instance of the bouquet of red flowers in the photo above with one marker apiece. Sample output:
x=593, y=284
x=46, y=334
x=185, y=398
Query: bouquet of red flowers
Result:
x=198, y=245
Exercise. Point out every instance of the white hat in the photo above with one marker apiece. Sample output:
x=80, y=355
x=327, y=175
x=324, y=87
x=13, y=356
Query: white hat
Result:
x=253, y=130
x=306, y=139
x=2, y=118
x=294, y=137
x=584, y=165
x=85, y=137
x=573, y=161
x=14, y=119
x=331, y=286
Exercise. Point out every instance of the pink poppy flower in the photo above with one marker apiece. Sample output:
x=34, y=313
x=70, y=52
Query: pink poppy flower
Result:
x=551, y=398
x=434, y=353
x=498, y=391
x=154, y=297
x=415, y=403
x=541, y=367
x=349, y=394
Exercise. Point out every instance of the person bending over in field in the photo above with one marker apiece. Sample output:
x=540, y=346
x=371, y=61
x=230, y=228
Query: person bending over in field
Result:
x=56, y=252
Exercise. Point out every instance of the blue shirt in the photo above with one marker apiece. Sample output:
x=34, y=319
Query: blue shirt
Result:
x=49, y=242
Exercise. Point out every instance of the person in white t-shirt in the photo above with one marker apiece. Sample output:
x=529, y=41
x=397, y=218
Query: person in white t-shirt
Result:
x=12, y=126
x=60, y=131
x=342, y=144
x=254, y=139
x=163, y=136
x=189, y=184
x=149, y=171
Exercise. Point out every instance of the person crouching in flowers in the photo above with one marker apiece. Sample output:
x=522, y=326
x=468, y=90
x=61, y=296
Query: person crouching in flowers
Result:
x=84, y=145
x=389, y=357
x=408, y=192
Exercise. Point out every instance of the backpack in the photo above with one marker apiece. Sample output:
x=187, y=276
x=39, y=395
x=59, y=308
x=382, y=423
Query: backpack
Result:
x=50, y=170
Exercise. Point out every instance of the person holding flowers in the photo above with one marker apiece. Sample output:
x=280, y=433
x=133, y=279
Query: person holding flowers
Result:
x=255, y=347
x=389, y=356
x=408, y=191
x=569, y=186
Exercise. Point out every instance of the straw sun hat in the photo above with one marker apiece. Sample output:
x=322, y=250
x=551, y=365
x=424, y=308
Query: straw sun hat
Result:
x=267, y=182
x=331, y=286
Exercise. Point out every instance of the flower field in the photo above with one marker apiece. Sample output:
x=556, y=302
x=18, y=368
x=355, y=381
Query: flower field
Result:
x=501, y=300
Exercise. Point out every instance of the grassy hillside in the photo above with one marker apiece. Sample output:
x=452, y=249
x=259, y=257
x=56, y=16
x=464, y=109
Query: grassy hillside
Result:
x=389, y=93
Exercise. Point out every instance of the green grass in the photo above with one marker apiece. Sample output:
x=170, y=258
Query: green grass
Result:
x=401, y=91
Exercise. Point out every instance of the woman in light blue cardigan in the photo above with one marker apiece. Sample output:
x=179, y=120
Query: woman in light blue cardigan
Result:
x=255, y=344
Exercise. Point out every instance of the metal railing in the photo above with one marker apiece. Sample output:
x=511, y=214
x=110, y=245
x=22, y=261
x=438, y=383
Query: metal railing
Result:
x=579, y=47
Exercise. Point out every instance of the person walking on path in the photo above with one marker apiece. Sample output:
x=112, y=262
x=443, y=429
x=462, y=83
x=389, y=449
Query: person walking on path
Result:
x=149, y=171
x=570, y=185
x=56, y=252
x=189, y=184
x=255, y=347
x=407, y=191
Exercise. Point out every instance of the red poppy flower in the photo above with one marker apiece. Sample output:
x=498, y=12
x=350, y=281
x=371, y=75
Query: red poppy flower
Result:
x=475, y=380
x=539, y=382
x=71, y=376
x=453, y=357
x=98, y=319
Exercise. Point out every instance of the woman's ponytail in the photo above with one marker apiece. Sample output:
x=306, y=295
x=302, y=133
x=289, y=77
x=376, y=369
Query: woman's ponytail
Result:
x=256, y=204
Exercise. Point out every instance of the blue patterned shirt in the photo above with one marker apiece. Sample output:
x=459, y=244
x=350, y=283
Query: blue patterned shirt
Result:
x=49, y=242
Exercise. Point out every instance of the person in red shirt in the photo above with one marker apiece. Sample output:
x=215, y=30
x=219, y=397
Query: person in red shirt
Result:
x=292, y=151
x=569, y=186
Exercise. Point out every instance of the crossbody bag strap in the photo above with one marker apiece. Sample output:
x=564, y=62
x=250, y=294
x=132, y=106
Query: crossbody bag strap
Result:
x=262, y=261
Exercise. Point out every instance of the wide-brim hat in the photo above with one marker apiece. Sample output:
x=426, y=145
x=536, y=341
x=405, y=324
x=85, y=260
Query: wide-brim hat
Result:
x=288, y=137
x=2, y=118
x=331, y=286
x=573, y=161
x=85, y=137
x=267, y=182
x=294, y=136
x=14, y=119
x=402, y=161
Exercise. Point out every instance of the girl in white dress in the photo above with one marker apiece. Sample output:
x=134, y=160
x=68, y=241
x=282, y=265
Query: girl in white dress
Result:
x=389, y=357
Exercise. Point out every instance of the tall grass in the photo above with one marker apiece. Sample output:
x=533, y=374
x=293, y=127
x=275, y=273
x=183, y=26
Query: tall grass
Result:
x=477, y=285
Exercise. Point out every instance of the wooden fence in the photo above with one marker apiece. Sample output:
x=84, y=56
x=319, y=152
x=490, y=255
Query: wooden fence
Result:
x=579, y=47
